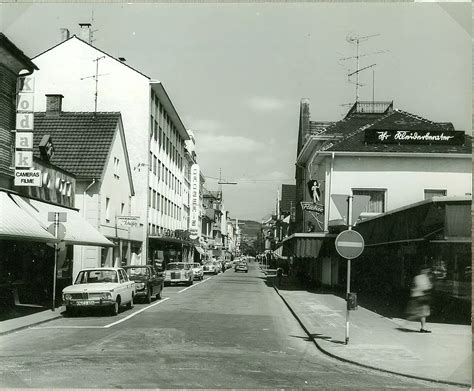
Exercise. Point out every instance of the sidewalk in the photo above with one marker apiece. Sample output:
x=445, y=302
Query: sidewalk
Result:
x=392, y=345
x=11, y=325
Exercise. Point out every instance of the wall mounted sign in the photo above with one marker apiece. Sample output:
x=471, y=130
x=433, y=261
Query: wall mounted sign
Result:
x=312, y=207
x=128, y=221
x=373, y=136
x=28, y=178
x=194, y=201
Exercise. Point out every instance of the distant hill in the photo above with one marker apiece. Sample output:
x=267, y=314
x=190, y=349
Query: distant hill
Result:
x=249, y=228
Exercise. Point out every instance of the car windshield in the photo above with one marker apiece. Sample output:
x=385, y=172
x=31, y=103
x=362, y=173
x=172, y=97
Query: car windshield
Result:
x=175, y=266
x=96, y=276
x=137, y=271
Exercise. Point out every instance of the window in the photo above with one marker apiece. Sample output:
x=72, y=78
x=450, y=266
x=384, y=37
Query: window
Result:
x=377, y=200
x=430, y=193
x=116, y=168
x=158, y=201
x=107, y=209
x=149, y=196
x=154, y=199
x=154, y=164
x=159, y=170
x=122, y=209
x=151, y=126
x=160, y=136
x=162, y=171
x=155, y=131
x=162, y=205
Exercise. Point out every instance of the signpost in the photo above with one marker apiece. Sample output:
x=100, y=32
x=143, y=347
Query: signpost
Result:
x=349, y=243
x=59, y=231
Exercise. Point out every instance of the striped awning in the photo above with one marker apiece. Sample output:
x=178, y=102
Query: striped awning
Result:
x=305, y=245
x=78, y=230
x=16, y=224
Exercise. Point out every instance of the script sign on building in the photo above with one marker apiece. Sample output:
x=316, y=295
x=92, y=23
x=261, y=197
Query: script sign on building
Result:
x=373, y=136
x=194, y=200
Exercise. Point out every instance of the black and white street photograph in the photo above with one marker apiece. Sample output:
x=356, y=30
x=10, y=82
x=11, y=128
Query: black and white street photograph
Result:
x=236, y=195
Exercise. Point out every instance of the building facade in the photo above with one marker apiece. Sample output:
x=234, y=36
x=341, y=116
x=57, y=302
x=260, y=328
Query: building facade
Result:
x=154, y=131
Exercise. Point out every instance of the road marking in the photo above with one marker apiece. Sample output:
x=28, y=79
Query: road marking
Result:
x=350, y=244
x=66, y=327
x=135, y=313
x=189, y=287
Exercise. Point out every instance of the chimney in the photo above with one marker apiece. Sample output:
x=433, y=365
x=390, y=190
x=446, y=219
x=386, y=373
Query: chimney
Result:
x=86, y=34
x=54, y=104
x=65, y=35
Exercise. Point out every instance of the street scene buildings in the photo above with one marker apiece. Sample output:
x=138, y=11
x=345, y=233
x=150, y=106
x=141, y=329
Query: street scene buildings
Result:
x=327, y=246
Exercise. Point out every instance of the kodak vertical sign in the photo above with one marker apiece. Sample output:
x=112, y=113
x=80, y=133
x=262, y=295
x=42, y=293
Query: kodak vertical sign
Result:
x=24, y=176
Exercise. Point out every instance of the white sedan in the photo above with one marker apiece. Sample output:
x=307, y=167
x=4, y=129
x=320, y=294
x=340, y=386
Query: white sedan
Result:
x=100, y=287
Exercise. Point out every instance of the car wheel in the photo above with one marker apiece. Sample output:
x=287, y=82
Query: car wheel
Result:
x=130, y=303
x=190, y=282
x=70, y=311
x=115, y=307
x=148, y=296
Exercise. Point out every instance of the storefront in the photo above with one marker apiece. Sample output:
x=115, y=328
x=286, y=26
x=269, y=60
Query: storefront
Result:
x=173, y=246
x=27, y=263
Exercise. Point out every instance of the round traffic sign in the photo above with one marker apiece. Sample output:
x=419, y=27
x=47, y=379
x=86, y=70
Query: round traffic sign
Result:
x=61, y=230
x=349, y=244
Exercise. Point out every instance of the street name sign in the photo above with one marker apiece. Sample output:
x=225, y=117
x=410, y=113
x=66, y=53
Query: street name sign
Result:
x=349, y=244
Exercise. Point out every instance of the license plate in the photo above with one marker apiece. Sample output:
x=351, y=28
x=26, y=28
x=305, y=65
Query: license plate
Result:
x=84, y=302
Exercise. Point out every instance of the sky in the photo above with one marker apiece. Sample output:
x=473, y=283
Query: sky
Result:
x=236, y=72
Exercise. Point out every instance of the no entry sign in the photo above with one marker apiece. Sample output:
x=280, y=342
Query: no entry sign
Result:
x=349, y=244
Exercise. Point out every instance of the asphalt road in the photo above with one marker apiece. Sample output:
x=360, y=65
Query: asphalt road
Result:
x=229, y=331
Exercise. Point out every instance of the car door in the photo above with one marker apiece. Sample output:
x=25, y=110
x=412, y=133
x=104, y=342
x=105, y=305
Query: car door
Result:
x=125, y=286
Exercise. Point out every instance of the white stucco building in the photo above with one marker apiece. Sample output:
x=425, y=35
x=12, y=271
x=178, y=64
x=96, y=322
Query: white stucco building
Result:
x=154, y=132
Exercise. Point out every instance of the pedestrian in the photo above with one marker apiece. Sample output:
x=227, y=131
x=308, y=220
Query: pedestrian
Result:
x=279, y=275
x=419, y=304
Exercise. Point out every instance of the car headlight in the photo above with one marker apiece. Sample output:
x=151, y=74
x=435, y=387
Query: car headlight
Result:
x=66, y=296
x=106, y=295
x=140, y=285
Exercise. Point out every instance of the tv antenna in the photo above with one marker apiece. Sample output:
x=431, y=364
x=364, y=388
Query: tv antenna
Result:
x=96, y=78
x=356, y=40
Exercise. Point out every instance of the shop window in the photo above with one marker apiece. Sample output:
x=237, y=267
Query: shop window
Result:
x=377, y=200
x=430, y=193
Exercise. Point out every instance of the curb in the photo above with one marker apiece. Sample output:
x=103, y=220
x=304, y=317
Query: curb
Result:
x=29, y=325
x=322, y=350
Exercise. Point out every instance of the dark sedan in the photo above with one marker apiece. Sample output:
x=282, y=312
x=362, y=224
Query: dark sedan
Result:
x=148, y=282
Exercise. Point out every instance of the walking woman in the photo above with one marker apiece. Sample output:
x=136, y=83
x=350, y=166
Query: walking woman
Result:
x=419, y=305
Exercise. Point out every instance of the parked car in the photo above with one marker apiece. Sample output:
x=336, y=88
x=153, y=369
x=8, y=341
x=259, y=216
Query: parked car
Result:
x=241, y=267
x=209, y=267
x=198, y=271
x=178, y=272
x=100, y=287
x=148, y=282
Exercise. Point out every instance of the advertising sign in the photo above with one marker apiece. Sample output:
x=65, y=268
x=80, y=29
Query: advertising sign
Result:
x=28, y=178
x=194, y=202
x=373, y=136
x=128, y=221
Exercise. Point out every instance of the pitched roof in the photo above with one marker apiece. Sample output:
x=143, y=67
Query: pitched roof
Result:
x=12, y=51
x=353, y=130
x=81, y=140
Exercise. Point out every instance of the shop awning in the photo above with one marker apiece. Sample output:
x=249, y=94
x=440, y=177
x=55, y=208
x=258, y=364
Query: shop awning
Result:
x=199, y=250
x=441, y=219
x=305, y=245
x=16, y=224
x=78, y=230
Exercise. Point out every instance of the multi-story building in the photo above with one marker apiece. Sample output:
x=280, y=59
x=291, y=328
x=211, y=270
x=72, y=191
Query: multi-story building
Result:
x=416, y=176
x=154, y=131
x=95, y=150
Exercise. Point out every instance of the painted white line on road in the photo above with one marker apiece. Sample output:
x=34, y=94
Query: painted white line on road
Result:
x=189, y=287
x=66, y=327
x=135, y=313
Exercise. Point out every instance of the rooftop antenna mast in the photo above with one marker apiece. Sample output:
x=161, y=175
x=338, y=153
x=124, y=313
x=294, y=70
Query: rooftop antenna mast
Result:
x=356, y=40
x=96, y=78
